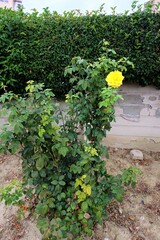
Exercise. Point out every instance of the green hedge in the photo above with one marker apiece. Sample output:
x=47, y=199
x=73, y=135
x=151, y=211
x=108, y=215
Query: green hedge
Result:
x=39, y=46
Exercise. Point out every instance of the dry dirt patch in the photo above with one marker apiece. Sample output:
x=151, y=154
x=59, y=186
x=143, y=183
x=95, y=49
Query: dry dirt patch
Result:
x=137, y=218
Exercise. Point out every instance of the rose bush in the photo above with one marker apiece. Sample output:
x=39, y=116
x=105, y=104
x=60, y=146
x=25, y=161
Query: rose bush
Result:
x=65, y=180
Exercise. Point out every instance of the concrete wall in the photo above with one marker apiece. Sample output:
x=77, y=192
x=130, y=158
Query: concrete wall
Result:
x=137, y=119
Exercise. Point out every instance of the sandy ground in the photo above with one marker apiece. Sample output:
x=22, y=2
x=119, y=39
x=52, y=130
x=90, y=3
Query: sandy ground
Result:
x=137, y=218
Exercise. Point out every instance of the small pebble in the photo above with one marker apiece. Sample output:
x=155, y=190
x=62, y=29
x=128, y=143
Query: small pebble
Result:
x=136, y=154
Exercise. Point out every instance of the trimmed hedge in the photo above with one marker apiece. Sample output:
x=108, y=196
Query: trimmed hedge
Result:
x=40, y=46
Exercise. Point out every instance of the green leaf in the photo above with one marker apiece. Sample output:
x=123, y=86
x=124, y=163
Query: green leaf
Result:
x=34, y=174
x=18, y=128
x=63, y=195
x=89, y=231
x=57, y=189
x=45, y=186
x=60, y=234
x=40, y=163
x=83, y=162
x=42, y=208
x=50, y=202
x=99, y=214
x=80, y=216
x=14, y=146
x=63, y=151
x=41, y=131
x=84, y=206
x=61, y=177
x=54, y=182
x=73, y=205
x=59, y=197
x=5, y=135
x=62, y=183
x=119, y=197
x=42, y=223
x=43, y=173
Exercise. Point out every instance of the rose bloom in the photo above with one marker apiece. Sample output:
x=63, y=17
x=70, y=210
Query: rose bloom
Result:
x=114, y=79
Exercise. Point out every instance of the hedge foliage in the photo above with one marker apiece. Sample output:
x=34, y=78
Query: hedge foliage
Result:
x=40, y=46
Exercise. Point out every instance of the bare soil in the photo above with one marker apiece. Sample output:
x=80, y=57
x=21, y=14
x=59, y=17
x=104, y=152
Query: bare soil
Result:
x=137, y=218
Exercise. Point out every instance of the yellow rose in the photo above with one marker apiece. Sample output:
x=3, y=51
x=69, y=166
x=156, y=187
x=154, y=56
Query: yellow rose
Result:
x=114, y=79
